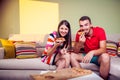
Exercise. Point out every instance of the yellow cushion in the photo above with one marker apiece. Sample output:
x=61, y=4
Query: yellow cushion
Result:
x=9, y=48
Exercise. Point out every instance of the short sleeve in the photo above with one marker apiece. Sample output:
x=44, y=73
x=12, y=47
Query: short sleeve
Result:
x=102, y=34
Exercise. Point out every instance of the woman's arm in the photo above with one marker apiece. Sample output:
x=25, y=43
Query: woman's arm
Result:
x=51, y=50
x=57, y=43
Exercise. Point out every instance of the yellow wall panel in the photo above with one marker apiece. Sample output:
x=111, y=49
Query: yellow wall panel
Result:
x=38, y=17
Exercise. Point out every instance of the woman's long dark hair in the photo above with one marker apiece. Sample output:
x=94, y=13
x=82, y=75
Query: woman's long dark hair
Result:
x=67, y=42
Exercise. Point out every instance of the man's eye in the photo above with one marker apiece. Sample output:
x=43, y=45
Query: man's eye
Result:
x=86, y=24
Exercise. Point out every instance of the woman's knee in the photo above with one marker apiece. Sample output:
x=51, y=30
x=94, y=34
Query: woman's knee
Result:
x=72, y=56
x=67, y=56
x=61, y=61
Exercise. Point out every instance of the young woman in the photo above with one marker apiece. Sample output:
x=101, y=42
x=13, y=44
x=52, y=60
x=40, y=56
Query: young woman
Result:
x=58, y=42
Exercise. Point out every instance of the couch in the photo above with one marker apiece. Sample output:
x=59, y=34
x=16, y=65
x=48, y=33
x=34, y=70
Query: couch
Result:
x=12, y=68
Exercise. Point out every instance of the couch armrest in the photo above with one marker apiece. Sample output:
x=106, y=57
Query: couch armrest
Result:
x=1, y=53
x=40, y=50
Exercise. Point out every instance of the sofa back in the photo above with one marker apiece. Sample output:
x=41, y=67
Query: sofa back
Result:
x=42, y=38
x=39, y=38
x=113, y=37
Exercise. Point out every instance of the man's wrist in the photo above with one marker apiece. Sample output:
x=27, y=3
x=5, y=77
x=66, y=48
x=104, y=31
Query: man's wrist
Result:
x=92, y=52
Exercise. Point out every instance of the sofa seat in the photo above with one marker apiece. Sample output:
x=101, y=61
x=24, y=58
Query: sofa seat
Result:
x=26, y=67
x=34, y=64
x=21, y=69
x=20, y=64
x=17, y=74
x=115, y=68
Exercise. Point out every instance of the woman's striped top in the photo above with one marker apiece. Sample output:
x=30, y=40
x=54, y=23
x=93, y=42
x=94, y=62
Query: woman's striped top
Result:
x=50, y=43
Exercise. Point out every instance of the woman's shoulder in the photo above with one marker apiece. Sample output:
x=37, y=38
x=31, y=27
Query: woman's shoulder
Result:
x=53, y=34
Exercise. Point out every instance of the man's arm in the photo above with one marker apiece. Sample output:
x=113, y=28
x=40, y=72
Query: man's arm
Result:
x=96, y=52
x=78, y=46
x=101, y=50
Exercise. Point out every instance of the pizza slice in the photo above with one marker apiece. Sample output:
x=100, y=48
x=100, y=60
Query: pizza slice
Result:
x=81, y=33
x=60, y=39
x=63, y=74
x=81, y=71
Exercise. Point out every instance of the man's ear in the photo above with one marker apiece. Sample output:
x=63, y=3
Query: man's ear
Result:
x=91, y=25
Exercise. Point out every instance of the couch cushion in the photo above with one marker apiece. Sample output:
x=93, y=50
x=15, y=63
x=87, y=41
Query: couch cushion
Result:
x=40, y=50
x=25, y=50
x=35, y=63
x=17, y=74
x=9, y=48
x=1, y=52
x=90, y=66
x=24, y=64
x=115, y=66
x=39, y=38
x=111, y=48
x=118, y=49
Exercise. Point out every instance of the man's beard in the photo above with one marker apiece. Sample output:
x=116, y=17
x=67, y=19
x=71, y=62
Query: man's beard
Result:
x=88, y=33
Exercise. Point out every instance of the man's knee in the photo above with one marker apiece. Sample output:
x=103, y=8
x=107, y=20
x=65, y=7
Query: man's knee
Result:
x=105, y=57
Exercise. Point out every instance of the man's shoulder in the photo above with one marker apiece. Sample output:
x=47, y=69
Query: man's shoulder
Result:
x=97, y=28
x=100, y=32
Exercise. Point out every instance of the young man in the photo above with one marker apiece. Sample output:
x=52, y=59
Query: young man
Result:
x=94, y=41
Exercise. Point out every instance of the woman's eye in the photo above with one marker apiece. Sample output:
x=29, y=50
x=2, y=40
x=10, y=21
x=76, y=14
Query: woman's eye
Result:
x=66, y=29
x=61, y=28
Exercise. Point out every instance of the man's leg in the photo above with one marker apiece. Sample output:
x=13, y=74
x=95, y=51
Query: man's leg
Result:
x=75, y=59
x=104, y=61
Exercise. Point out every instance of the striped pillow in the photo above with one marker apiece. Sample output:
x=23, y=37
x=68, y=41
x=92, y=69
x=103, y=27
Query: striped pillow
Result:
x=111, y=48
x=119, y=49
x=25, y=50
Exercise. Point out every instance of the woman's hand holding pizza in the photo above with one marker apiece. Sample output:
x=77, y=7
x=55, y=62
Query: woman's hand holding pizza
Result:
x=59, y=41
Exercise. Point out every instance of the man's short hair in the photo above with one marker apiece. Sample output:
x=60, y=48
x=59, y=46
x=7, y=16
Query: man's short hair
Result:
x=85, y=18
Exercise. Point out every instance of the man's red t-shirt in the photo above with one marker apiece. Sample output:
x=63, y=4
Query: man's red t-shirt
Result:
x=93, y=43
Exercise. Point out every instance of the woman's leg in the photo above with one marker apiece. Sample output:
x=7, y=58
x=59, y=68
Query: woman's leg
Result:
x=66, y=56
x=60, y=62
x=76, y=59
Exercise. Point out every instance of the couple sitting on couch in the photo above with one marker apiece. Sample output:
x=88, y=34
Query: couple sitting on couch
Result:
x=93, y=39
